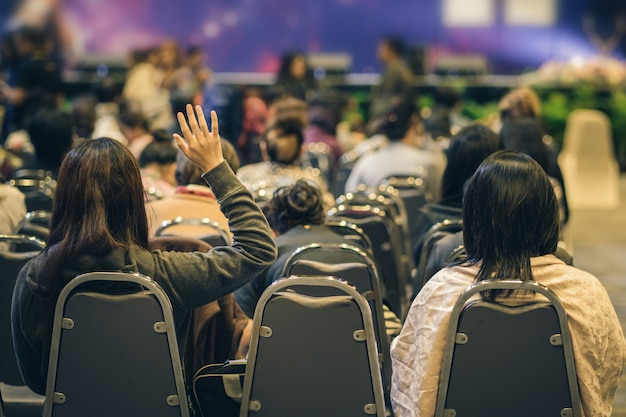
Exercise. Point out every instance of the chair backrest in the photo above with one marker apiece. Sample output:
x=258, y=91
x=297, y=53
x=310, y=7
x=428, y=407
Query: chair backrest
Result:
x=588, y=162
x=352, y=233
x=513, y=360
x=414, y=194
x=319, y=156
x=10, y=264
x=357, y=268
x=312, y=356
x=38, y=186
x=114, y=350
x=215, y=236
x=437, y=232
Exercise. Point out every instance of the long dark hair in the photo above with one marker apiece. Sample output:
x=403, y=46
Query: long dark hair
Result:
x=98, y=206
x=510, y=214
x=466, y=152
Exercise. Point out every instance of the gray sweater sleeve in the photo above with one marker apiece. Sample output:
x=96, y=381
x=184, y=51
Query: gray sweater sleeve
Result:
x=195, y=279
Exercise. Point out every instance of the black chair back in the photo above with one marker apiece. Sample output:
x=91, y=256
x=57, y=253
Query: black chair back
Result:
x=312, y=356
x=214, y=234
x=114, y=350
x=519, y=355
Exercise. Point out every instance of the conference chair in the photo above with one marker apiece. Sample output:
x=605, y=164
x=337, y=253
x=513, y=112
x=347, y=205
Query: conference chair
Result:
x=310, y=355
x=114, y=350
x=357, y=268
x=508, y=359
x=17, y=399
x=214, y=235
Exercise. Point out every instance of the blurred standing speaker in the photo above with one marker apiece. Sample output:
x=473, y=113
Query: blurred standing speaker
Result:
x=416, y=59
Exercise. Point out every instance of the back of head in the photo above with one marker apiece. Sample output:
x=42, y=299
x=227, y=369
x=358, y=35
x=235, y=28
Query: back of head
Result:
x=283, y=141
x=521, y=102
x=50, y=131
x=132, y=117
x=295, y=205
x=525, y=135
x=466, y=152
x=400, y=117
x=99, y=203
x=510, y=214
x=84, y=115
x=159, y=153
x=326, y=110
x=189, y=173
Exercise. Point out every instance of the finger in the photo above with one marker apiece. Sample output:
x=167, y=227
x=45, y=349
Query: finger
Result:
x=193, y=122
x=184, y=127
x=182, y=145
x=202, y=121
x=215, y=130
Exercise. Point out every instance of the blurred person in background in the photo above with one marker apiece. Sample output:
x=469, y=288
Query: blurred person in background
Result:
x=157, y=164
x=396, y=79
x=294, y=78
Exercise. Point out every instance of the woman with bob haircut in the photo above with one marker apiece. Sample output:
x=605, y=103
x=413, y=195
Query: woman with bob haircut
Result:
x=511, y=228
x=99, y=224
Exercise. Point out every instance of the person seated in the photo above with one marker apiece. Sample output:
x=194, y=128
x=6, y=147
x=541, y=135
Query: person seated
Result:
x=296, y=215
x=467, y=150
x=281, y=147
x=99, y=223
x=324, y=115
x=525, y=134
x=157, y=163
x=50, y=132
x=406, y=154
x=134, y=126
x=12, y=209
x=192, y=199
x=511, y=231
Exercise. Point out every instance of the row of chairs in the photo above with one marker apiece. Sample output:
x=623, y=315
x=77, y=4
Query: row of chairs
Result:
x=313, y=352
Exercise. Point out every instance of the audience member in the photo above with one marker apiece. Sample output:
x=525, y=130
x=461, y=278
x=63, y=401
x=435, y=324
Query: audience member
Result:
x=188, y=79
x=144, y=86
x=466, y=152
x=157, y=164
x=99, y=223
x=511, y=228
x=325, y=114
x=38, y=81
x=108, y=96
x=524, y=134
x=405, y=154
x=296, y=215
x=50, y=132
x=12, y=209
x=281, y=148
x=83, y=117
x=396, y=80
x=135, y=128
x=193, y=199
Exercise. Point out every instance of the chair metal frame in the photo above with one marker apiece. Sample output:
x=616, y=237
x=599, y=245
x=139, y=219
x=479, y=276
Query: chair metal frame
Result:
x=59, y=324
x=319, y=281
x=351, y=232
x=206, y=222
x=435, y=233
x=381, y=337
x=509, y=285
x=401, y=280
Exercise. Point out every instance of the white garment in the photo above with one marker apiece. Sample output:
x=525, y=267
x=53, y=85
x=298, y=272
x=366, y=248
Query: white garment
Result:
x=399, y=159
x=143, y=86
x=597, y=337
x=12, y=210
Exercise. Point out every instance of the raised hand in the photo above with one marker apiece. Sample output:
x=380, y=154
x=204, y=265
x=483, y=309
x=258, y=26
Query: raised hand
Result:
x=201, y=146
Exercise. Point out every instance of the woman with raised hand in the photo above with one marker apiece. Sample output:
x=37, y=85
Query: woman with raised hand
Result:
x=99, y=224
